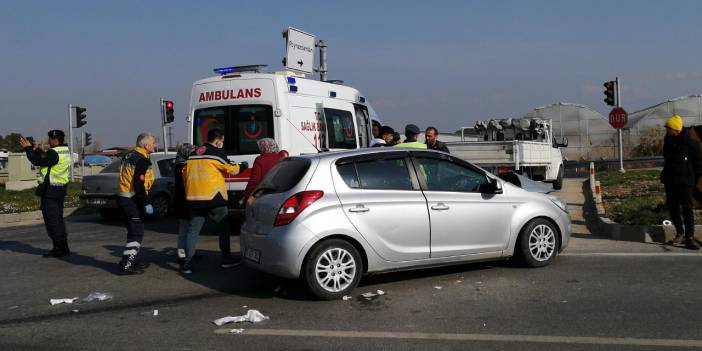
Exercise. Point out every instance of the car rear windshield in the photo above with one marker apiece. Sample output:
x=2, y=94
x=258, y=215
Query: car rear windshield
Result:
x=284, y=176
x=243, y=126
x=112, y=167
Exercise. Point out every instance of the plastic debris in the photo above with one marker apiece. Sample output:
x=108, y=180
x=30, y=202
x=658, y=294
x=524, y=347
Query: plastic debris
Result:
x=252, y=316
x=380, y=292
x=369, y=295
x=438, y=287
x=347, y=297
x=245, y=306
x=58, y=301
x=99, y=296
x=155, y=312
x=236, y=331
x=76, y=311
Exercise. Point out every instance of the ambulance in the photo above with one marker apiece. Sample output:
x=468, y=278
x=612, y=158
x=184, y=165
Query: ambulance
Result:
x=303, y=115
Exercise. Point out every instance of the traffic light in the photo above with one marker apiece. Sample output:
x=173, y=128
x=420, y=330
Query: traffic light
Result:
x=80, y=116
x=87, y=139
x=610, y=93
x=169, y=111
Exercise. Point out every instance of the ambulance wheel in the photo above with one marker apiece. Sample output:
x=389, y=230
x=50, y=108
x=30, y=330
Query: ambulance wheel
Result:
x=558, y=183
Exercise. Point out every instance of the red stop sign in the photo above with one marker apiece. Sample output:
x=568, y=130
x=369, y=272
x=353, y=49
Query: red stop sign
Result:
x=618, y=118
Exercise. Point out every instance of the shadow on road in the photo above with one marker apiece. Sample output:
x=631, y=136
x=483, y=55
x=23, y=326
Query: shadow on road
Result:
x=74, y=258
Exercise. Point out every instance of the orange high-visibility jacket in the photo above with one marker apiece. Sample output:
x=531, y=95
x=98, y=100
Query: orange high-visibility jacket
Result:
x=203, y=176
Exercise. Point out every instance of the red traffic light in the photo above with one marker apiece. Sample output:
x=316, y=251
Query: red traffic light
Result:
x=169, y=105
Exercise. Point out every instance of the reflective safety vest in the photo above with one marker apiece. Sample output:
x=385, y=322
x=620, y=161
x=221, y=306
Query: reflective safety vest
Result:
x=412, y=144
x=59, y=171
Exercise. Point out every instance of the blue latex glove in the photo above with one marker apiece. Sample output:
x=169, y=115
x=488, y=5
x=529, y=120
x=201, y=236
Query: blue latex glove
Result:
x=149, y=209
x=243, y=166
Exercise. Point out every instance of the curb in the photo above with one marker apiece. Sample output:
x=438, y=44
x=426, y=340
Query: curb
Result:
x=21, y=217
x=626, y=232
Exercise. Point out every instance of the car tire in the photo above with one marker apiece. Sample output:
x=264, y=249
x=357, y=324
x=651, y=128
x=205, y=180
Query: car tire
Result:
x=538, y=243
x=558, y=183
x=323, y=271
x=161, y=204
x=110, y=214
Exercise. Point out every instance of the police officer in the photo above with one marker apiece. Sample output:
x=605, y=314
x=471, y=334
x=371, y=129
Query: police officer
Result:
x=53, y=180
x=135, y=180
x=411, y=136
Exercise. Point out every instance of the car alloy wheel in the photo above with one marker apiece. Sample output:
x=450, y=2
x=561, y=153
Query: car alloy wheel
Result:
x=161, y=206
x=542, y=242
x=332, y=269
x=335, y=270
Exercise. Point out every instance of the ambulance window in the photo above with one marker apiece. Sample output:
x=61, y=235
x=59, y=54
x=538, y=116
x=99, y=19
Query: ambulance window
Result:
x=207, y=119
x=249, y=124
x=340, y=129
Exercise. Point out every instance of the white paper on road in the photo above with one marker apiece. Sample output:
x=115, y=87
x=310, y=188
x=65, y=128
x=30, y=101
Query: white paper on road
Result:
x=252, y=316
x=58, y=301
x=236, y=331
x=347, y=297
x=380, y=292
x=368, y=295
x=438, y=287
x=155, y=312
x=99, y=296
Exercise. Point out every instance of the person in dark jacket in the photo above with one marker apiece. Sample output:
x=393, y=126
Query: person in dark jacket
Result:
x=55, y=164
x=430, y=135
x=387, y=135
x=683, y=166
x=135, y=180
x=263, y=163
x=180, y=209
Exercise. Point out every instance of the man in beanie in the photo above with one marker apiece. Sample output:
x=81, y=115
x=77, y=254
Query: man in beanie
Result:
x=55, y=166
x=683, y=165
x=411, y=136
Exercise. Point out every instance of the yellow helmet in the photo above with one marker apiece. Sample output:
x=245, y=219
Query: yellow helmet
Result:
x=675, y=123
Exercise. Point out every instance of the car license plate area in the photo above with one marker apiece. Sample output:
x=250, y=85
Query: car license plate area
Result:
x=97, y=202
x=253, y=255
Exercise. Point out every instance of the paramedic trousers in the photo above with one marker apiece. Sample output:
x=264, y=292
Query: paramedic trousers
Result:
x=219, y=215
x=52, y=211
x=679, y=198
x=134, y=215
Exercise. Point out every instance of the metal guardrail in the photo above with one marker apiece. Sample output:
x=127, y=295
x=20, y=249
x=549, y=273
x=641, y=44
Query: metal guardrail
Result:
x=582, y=168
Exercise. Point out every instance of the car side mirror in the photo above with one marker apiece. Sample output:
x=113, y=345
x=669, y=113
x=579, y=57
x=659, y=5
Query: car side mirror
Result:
x=493, y=186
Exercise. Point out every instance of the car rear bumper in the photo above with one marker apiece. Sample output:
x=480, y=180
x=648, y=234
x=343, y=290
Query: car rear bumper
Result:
x=278, y=251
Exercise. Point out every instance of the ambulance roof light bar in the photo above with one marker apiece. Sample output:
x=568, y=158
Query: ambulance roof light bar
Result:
x=232, y=69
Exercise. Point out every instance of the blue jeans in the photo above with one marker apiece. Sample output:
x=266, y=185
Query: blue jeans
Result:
x=219, y=215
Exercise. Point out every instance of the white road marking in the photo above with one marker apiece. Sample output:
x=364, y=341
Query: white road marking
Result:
x=635, y=254
x=549, y=339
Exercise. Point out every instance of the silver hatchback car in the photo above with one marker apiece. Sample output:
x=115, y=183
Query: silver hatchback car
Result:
x=329, y=218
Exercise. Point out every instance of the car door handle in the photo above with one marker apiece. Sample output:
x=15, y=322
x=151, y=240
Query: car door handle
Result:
x=440, y=207
x=359, y=208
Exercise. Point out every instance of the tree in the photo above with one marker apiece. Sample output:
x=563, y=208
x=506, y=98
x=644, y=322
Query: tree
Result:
x=11, y=142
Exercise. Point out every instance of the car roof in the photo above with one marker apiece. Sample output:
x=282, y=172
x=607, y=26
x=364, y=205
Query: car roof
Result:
x=365, y=151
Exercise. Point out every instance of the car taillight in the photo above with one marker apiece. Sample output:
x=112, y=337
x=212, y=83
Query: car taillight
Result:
x=294, y=205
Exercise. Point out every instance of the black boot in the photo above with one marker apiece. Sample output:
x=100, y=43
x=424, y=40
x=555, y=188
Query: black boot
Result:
x=53, y=252
x=62, y=249
x=129, y=266
x=691, y=244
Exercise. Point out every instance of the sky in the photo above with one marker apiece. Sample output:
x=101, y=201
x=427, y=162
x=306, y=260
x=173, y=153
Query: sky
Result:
x=441, y=63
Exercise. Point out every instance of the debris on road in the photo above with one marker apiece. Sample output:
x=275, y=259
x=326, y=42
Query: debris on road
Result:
x=155, y=312
x=13, y=307
x=438, y=287
x=99, y=296
x=76, y=311
x=380, y=292
x=277, y=290
x=252, y=316
x=59, y=301
x=236, y=331
x=347, y=297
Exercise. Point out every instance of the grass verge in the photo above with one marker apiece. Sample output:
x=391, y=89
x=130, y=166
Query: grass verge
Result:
x=25, y=200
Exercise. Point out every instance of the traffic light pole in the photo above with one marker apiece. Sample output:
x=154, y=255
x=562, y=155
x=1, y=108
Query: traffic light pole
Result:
x=70, y=139
x=619, y=130
x=163, y=126
x=82, y=155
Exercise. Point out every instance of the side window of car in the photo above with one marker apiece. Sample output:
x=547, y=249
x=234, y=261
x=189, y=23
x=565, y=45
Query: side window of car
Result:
x=381, y=174
x=444, y=175
x=166, y=167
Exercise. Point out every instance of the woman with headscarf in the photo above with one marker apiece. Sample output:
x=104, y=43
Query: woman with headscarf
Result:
x=262, y=164
x=181, y=210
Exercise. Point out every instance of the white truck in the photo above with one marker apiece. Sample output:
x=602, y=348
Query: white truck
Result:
x=525, y=146
x=302, y=115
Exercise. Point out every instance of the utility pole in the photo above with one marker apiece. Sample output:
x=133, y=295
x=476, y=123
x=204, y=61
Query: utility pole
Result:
x=619, y=130
x=163, y=125
x=70, y=139
x=82, y=156
x=323, y=71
